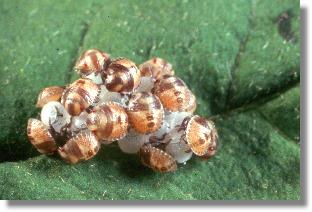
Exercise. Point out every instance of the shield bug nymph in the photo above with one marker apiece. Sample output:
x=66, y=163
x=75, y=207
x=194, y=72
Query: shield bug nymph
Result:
x=157, y=159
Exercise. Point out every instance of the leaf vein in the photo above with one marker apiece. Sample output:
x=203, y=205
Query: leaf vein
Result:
x=241, y=50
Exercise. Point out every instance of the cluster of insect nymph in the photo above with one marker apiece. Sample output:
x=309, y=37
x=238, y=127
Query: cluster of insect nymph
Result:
x=147, y=110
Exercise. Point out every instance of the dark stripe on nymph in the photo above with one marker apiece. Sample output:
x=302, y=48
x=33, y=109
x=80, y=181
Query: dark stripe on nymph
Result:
x=166, y=76
x=129, y=84
x=107, y=61
x=116, y=67
x=107, y=131
x=179, y=82
x=118, y=70
x=114, y=83
x=66, y=93
x=184, y=124
x=164, y=86
x=78, y=88
x=95, y=61
x=84, y=94
x=46, y=145
x=74, y=148
x=201, y=121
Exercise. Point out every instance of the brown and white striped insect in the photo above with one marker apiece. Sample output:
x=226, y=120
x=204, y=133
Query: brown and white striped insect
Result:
x=92, y=61
x=174, y=94
x=122, y=76
x=145, y=112
x=108, y=121
x=156, y=68
x=157, y=159
x=48, y=94
x=81, y=147
x=200, y=134
x=40, y=137
x=80, y=95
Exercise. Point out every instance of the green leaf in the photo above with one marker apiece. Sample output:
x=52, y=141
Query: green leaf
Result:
x=241, y=58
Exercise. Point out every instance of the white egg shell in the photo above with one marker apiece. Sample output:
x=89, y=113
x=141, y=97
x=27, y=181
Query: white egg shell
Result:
x=54, y=115
x=171, y=121
x=163, y=130
x=132, y=143
x=174, y=136
x=107, y=96
x=147, y=83
x=175, y=118
x=95, y=77
x=78, y=123
x=179, y=151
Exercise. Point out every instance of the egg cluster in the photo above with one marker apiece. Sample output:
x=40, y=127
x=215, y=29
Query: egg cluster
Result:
x=146, y=109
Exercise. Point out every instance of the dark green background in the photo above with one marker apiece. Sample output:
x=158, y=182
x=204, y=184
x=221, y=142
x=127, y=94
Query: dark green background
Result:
x=241, y=58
